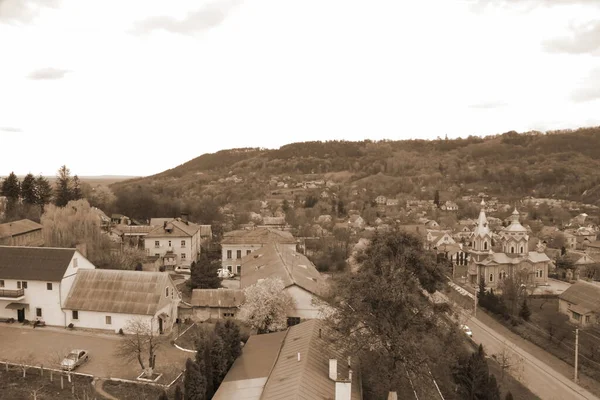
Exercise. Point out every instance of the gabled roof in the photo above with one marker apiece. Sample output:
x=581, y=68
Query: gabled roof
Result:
x=159, y=221
x=503, y=258
x=258, y=236
x=583, y=294
x=290, y=378
x=34, y=263
x=178, y=228
x=133, y=229
x=275, y=261
x=273, y=221
x=217, y=298
x=19, y=227
x=118, y=291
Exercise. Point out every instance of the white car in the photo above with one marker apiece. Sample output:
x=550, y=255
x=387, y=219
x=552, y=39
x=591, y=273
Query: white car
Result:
x=467, y=330
x=224, y=273
x=74, y=359
x=183, y=269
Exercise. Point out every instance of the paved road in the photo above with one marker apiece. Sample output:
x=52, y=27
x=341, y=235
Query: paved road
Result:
x=541, y=379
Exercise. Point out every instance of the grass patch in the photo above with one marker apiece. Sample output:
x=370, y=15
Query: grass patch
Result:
x=13, y=386
x=188, y=339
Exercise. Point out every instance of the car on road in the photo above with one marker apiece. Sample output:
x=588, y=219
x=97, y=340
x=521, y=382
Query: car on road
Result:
x=224, y=273
x=183, y=269
x=466, y=330
x=74, y=359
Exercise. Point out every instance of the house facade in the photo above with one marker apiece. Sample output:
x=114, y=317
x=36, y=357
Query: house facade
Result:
x=581, y=303
x=238, y=244
x=176, y=242
x=35, y=282
x=110, y=299
x=216, y=303
x=21, y=233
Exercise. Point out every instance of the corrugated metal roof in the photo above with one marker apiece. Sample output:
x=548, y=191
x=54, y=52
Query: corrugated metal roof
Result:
x=583, y=294
x=258, y=236
x=178, y=229
x=126, y=292
x=18, y=228
x=277, y=261
x=225, y=298
x=34, y=263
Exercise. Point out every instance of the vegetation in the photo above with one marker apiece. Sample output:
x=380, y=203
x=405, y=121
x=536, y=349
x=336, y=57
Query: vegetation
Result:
x=140, y=344
x=473, y=379
x=267, y=305
x=204, y=273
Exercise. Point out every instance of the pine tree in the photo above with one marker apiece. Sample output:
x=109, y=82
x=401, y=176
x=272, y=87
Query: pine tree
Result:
x=229, y=331
x=473, y=378
x=509, y=396
x=525, y=312
x=11, y=188
x=29, y=190
x=194, y=381
x=76, y=193
x=436, y=198
x=43, y=191
x=218, y=358
x=163, y=396
x=178, y=393
x=63, y=187
x=204, y=362
x=204, y=273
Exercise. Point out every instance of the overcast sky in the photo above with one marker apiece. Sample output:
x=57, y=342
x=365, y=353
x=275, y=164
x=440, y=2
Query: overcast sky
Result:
x=137, y=87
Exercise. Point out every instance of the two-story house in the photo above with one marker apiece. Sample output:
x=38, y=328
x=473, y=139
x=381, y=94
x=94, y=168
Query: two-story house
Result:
x=35, y=282
x=176, y=242
x=237, y=244
x=21, y=233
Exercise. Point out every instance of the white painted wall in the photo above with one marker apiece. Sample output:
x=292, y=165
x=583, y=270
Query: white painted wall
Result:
x=191, y=248
x=97, y=320
x=244, y=248
x=304, y=307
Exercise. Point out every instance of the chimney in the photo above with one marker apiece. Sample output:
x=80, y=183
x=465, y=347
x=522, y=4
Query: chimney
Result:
x=184, y=217
x=164, y=224
x=333, y=375
x=392, y=396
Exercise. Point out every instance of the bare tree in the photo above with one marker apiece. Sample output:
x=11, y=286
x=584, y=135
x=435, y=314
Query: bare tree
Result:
x=24, y=362
x=509, y=362
x=139, y=342
x=34, y=392
x=54, y=359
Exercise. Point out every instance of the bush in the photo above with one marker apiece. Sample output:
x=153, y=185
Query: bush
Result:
x=71, y=326
x=121, y=331
x=161, y=268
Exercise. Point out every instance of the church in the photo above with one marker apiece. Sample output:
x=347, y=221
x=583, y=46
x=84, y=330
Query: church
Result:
x=514, y=258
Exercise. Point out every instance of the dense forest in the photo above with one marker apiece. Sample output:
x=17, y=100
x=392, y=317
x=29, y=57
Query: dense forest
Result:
x=561, y=164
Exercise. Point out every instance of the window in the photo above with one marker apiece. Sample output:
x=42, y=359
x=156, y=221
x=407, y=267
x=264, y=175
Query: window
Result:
x=169, y=243
x=491, y=277
x=587, y=319
x=229, y=268
x=226, y=315
x=49, y=286
x=108, y=320
x=166, y=292
x=239, y=269
x=1, y=282
x=183, y=256
x=75, y=263
x=248, y=252
x=21, y=284
x=576, y=316
x=156, y=255
x=521, y=249
x=239, y=254
x=512, y=249
x=75, y=315
x=291, y=321
x=229, y=254
x=183, y=243
x=38, y=312
x=156, y=244
x=485, y=245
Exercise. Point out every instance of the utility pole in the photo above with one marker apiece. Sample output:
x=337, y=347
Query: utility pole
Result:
x=576, y=351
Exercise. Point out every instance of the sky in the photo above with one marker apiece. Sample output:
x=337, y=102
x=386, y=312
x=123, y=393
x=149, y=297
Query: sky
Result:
x=139, y=86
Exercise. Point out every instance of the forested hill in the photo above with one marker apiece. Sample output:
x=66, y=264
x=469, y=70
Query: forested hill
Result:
x=554, y=164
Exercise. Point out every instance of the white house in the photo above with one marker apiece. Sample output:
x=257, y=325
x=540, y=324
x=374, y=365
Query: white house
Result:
x=176, y=241
x=109, y=299
x=238, y=244
x=300, y=277
x=35, y=282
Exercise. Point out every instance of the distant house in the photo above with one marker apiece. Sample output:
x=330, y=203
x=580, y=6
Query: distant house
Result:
x=176, y=241
x=273, y=222
x=431, y=224
x=120, y=219
x=356, y=222
x=35, y=281
x=237, y=244
x=216, y=303
x=132, y=235
x=324, y=219
x=102, y=217
x=392, y=202
x=23, y=232
x=299, y=363
x=580, y=302
x=592, y=247
x=108, y=299
x=570, y=241
x=300, y=277
x=381, y=200
x=325, y=194
x=449, y=206
x=435, y=239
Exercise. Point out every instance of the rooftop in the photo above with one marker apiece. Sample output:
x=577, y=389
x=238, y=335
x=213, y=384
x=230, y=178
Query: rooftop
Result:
x=34, y=263
x=174, y=228
x=19, y=227
x=225, y=298
x=583, y=294
x=258, y=236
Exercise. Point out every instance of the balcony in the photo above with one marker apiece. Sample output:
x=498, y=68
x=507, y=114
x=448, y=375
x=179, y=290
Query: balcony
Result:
x=17, y=294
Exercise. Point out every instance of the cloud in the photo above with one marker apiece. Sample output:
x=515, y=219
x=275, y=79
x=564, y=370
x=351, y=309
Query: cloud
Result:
x=209, y=16
x=48, y=73
x=10, y=129
x=583, y=39
x=23, y=11
x=525, y=6
x=489, y=104
x=589, y=88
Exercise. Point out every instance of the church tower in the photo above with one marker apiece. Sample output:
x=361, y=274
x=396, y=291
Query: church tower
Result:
x=482, y=237
x=515, y=239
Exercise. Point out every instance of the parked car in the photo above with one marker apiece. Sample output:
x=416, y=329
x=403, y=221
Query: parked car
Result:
x=467, y=330
x=74, y=359
x=183, y=269
x=224, y=273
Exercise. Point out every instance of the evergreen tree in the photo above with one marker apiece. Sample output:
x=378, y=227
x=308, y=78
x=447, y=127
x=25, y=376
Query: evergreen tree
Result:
x=63, y=187
x=194, y=381
x=11, y=188
x=76, y=193
x=204, y=273
x=218, y=358
x=509, y=396
x=229, y=331
x=43, y=191
x=29, y=190
x=525, y=312
x=178, y=393
x=481, y=297
x=436, y=198
x=163, y=396
x=204, y=362
x=473, y=378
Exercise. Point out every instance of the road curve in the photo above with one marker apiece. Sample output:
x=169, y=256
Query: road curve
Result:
x=540, y=378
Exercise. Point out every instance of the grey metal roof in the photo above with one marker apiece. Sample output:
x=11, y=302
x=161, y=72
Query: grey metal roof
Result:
x=178, y=228
x=583, y=294
x=258, y=236
x=19, y=227
x=218, y=298
x=115, y=291
x=34, y=263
